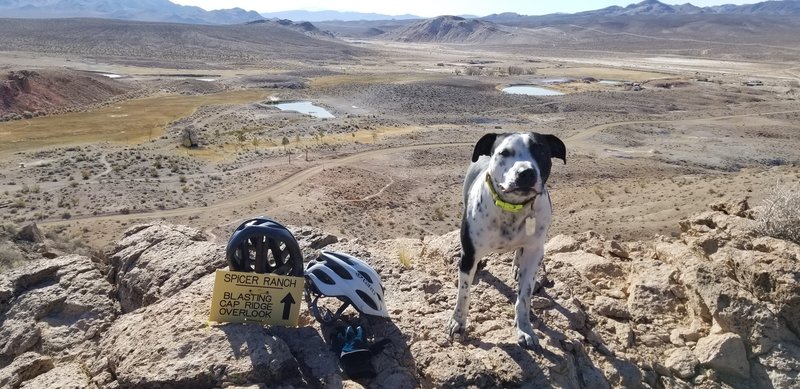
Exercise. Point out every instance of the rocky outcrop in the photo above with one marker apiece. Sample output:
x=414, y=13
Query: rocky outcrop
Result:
x=154, y=261
x=55, y=307
x=716, y=307
x=190, y=353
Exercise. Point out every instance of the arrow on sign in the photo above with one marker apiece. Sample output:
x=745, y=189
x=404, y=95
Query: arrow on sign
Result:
x=287, y=305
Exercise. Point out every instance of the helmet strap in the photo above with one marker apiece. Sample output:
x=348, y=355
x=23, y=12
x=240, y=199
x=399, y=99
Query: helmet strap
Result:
x=339, y=311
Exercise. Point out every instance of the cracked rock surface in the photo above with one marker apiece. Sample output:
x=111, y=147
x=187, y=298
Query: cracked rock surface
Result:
x=716, y=307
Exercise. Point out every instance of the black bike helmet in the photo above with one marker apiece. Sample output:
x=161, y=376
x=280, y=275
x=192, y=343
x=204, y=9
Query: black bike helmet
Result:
x=251, y=244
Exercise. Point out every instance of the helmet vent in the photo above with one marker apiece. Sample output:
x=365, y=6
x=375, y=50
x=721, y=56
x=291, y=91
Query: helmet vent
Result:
x=367, y=299
x=366, y=276
x=323, y=277
x=339, y=270
x=344, y=259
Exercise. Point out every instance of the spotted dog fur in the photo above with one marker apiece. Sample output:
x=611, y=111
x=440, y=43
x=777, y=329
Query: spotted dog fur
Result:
x=518, y=166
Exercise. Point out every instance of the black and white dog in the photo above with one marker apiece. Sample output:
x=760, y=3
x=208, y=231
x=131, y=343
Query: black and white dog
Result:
x=506, y=207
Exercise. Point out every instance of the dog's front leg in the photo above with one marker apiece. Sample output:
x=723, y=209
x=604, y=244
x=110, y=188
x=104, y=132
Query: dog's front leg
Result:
x=530, y=259
x=466, y=273
x=529, y=265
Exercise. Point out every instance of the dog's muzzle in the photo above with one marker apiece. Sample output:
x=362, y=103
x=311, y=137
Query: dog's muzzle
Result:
x=505, y=205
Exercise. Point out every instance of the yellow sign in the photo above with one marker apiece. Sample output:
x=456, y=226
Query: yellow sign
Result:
x=268, y=298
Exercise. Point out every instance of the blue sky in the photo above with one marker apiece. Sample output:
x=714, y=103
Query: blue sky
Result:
x=428, y=8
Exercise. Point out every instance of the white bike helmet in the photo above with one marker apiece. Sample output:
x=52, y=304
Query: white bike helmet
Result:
x=347, y=278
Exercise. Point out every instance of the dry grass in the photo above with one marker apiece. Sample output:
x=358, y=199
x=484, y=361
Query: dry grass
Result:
x=132, y=121
x=404, y=256
x=349, y=79
x=600, y=73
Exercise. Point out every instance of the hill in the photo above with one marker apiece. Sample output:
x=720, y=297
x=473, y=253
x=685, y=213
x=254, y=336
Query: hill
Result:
x=304, y=27
x=147, y=10
x=183, y=45
x=451, y=29
x=28, y=93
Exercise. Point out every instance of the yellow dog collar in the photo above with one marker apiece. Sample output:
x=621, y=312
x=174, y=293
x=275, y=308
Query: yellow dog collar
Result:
x=504, y=205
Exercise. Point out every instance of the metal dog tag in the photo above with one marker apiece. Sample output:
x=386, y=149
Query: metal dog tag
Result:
x=530, y=226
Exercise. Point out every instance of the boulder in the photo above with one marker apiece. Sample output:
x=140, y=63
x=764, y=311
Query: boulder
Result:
x=561, y=244
x=740, y=208
x=310, y=238
x=770, y=278
x=157, y=260
x=654, y=290
x=61, y=306
x=170, y=343
x=24, y=367
x=30, y=233
x=724, y=353
x=682, y=362
x=66, y=376
x=610, y=307
x=602, y=272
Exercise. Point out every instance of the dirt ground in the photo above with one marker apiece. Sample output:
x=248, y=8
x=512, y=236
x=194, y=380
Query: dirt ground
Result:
x=391, y=162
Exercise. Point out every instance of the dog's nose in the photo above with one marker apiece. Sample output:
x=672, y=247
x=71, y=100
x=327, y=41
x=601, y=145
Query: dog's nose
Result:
x=526, y=178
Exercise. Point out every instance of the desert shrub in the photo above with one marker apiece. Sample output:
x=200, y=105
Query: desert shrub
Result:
x=9, y=256
x=9, y=229
x=515, y=70
x=779, y=217
x=472, y=71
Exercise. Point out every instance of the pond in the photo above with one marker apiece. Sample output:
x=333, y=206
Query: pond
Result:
x=305, y=107
x=531, y=90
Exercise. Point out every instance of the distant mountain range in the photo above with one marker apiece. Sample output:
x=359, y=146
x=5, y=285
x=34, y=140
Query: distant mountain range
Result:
x=167, y=11
x=657, y=8
x=144, y=10
x=320, y=16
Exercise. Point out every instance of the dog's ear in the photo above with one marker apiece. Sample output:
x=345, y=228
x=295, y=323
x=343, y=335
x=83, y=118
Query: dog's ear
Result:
x=484, y=146
x=556, y=146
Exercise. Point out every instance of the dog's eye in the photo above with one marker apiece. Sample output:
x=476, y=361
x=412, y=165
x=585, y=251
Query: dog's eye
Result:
x=505, y=153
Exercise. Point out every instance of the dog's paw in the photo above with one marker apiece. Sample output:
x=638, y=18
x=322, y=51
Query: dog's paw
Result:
x=456, y=327
x=528, y=340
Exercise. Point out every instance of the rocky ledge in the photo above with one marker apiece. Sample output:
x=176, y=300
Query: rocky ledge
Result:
x=716, y=307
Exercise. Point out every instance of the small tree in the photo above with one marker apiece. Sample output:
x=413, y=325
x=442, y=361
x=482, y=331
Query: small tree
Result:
x=285, y=142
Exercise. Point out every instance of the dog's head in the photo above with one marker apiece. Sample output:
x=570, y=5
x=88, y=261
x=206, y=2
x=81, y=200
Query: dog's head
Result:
x=520, y=163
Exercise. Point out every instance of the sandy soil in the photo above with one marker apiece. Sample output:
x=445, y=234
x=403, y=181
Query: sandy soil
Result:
x=391, y=163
